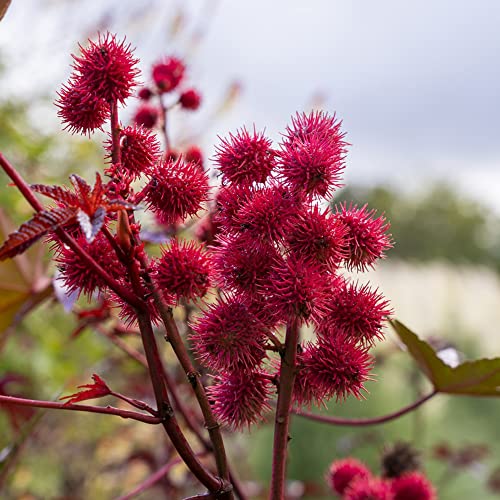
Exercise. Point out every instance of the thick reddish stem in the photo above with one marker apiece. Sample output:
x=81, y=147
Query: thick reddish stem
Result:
x=361, y=422
x=282, y=421
x=108, y=410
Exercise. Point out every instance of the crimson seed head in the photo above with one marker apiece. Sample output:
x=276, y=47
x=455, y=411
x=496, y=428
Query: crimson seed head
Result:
x=190, y=99
x=107, y=68
x=228, y=203
x=368, y=488
x=183, y=270
x=228, y=337
x=342, y=472
x=242, y=265
x=413, y=486
x=317, y=236
x=297, y=288
x=240, y=399
x=140, y=150
x=358, y=312
x=146, y=116
x=366, y=236
x=176, y=190
x=77, y=275
x=266, y=214
x=245, y=158
x=81, y=110
x=311, y=159
x=167, y=74
x=337, y=367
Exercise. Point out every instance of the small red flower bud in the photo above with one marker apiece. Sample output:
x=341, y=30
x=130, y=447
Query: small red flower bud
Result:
x=167, y=74
x=343, y=472
x=107, y=68
x=80, y=110
x=190, y=99
x=176, y=189
x=240, y=399
x=366, y=236
x=145, y=94
x=146, y=116
x=245, y=158
x=194, y=155
x=413, y=486
x=183, y=270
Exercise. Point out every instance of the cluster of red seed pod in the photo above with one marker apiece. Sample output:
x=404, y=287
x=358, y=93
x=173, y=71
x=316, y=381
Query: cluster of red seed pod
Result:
x=352, y=480
x=278, y=254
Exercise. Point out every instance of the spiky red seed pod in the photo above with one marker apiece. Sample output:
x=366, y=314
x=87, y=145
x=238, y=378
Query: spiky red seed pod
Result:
x=305, y=393
x=297, y=289
x=80, y=110
x=368, y=488
x=168, y=73
x=266, y=215
x=228, y=337
x=145, y=94
x=140, y=150
x=183, y=271
x=176, y=190
x=413, y=486
x=366, y=238
x=242, y=265
x=77, y=275
x=194, y=155
x=317, y=236
x=245, y=158
x=337, y=367
x=146, y=116
x=311, y=158
x=129, y=315
x=107, y=68
x=190, y=99
x=229, y=201
x=358, y=312
x=240, y=399
x=342, y=472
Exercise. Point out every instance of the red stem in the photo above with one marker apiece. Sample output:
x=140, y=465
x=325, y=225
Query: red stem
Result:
x=360, y=422
x=108, y=410
x=282, y=422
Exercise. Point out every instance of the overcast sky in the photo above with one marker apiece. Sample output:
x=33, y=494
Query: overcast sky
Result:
x=417, y=84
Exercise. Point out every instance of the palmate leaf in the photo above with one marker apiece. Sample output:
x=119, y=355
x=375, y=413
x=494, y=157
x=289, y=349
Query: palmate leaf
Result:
x=58, y=193
x=474, y=378
x=31, y=231
x=98, y=389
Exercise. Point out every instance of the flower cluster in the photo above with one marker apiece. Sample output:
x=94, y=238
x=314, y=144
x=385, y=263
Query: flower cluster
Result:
x=277, y=260
x=352, y=480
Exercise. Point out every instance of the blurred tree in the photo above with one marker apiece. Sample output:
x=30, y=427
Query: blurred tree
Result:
x=440, y=224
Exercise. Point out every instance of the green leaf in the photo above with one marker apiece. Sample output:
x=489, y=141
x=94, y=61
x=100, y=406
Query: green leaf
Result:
x=475, y=378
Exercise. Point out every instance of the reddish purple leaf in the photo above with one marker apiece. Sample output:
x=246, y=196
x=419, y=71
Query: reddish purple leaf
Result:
x=98, y=389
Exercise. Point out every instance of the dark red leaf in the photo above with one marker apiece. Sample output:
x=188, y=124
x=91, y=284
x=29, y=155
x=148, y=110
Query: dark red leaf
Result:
x=97, y=194
x=32, y=230
x=82, y=190
x=58, y=193
x=98, y=389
